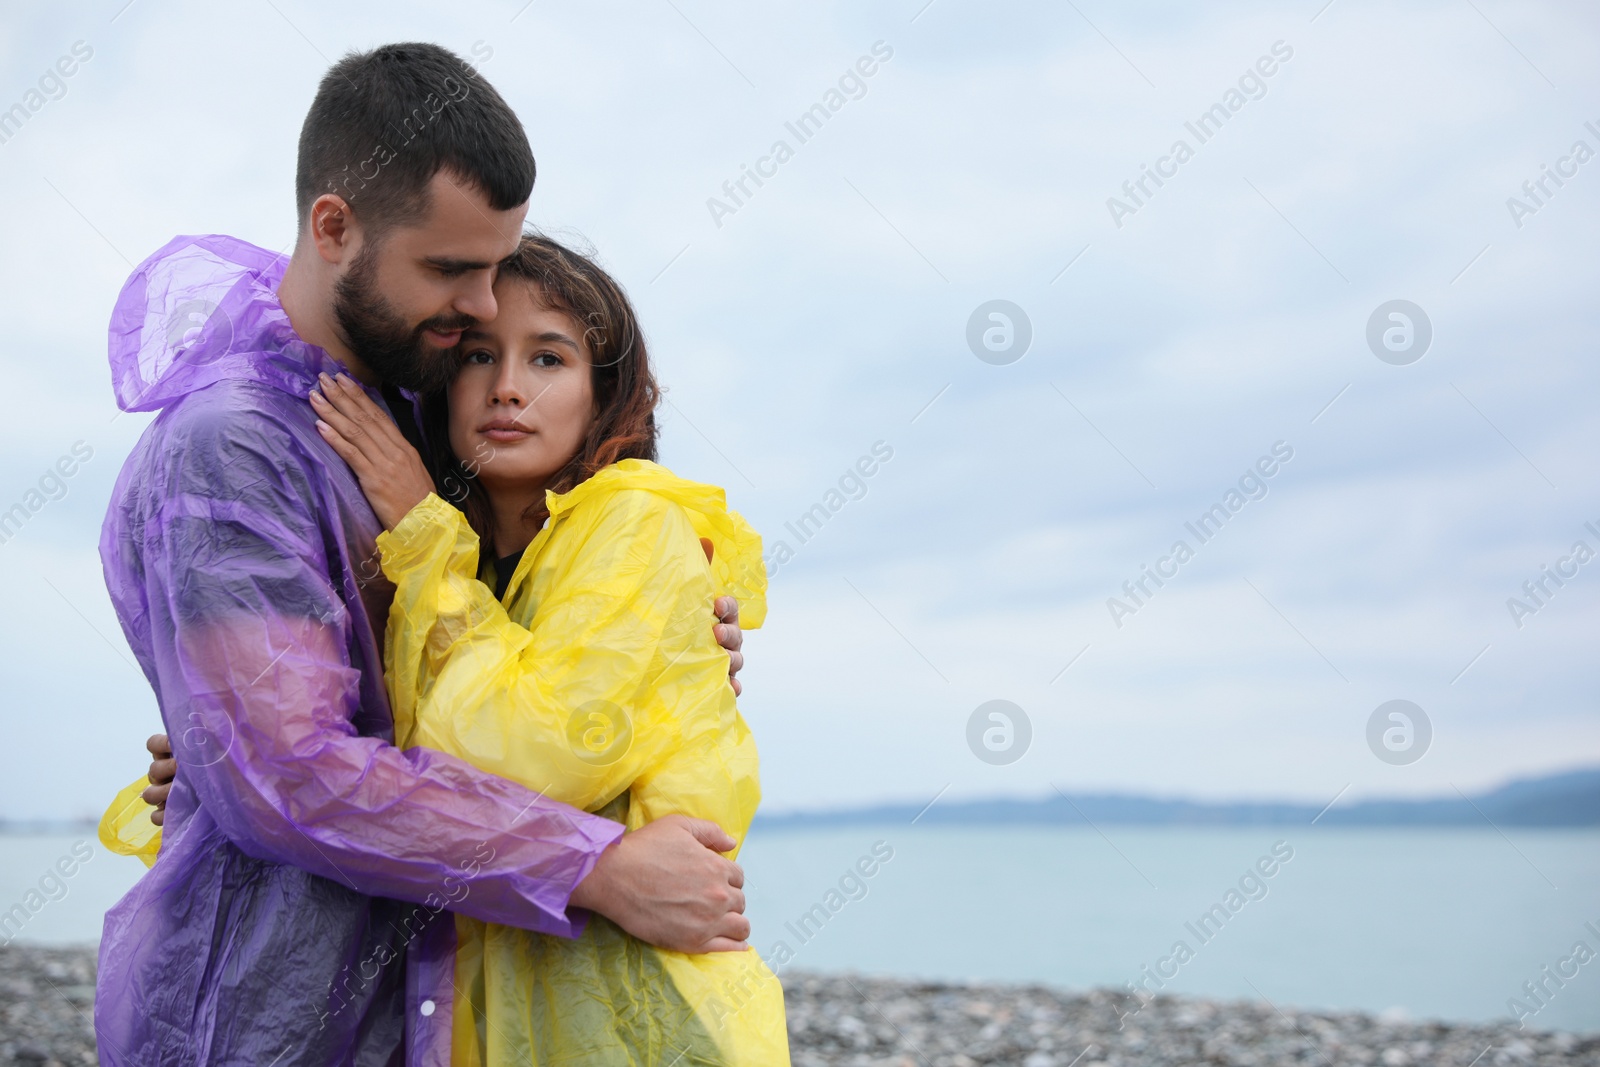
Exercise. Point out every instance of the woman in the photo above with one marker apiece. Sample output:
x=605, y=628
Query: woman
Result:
x=586, y=671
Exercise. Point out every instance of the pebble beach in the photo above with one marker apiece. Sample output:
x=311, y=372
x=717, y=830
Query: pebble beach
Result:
x=844, y=1019
x=47, y=996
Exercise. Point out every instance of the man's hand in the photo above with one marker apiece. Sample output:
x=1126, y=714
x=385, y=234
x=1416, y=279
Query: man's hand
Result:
x=163, y=769
x=726, y=630
x=730, y=637
x=665, y=884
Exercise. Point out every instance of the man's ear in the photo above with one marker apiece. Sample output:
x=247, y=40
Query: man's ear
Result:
x=334, y=229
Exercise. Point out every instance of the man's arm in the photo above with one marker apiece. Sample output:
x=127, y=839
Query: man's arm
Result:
x=663, y=883
x=270, y=752
x=164, y=768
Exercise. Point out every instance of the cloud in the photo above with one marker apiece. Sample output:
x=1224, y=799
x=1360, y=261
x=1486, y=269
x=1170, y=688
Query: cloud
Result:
x=829, y=311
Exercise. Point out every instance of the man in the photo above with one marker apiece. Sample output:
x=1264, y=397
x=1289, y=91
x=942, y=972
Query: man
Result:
x=291, y=919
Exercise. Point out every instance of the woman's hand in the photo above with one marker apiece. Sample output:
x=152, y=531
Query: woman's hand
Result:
x=389, y=469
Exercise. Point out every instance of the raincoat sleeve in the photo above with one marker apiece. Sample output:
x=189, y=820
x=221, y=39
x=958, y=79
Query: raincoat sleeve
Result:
x=126, y=829
x=250, y=645
x=607, y=689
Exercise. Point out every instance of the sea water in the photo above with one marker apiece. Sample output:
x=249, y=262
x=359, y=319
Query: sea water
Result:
x=1426, y=923
x=1446, y=924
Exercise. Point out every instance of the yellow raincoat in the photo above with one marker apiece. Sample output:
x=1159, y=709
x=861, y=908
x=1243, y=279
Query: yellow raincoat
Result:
x=598, y=682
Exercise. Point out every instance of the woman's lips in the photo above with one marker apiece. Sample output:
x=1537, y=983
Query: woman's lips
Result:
x=505, y=434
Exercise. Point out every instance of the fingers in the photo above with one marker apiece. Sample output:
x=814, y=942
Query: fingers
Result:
x=731, y=932
x=710, y=835
x=391, y=473
x=342, y=446
x=355, y=439
x=727, y=631
x=337, y=429
x=736, y=879
x=733, y=926
x=347, y=397
x=728, y=635
x=163, y=771
x=342, y=404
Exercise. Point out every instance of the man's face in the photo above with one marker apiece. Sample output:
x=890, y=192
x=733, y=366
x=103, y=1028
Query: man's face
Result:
x=407, y=296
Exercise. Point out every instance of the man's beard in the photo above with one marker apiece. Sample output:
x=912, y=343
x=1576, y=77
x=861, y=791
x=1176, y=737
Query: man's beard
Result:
x=397, y=352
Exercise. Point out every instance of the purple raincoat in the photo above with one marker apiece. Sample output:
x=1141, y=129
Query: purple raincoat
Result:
x=288, y=919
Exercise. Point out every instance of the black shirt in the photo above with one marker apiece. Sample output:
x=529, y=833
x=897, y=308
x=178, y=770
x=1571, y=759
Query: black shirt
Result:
x=504, y=568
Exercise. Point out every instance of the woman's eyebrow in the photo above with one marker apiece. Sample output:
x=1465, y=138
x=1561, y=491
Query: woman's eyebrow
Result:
x=552, y=337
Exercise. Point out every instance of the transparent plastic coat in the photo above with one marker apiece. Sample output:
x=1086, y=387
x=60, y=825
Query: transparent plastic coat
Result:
x=289, y=917
x=597, y=682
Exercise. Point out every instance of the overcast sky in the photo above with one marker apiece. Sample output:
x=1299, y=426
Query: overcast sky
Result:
x=1177, y=337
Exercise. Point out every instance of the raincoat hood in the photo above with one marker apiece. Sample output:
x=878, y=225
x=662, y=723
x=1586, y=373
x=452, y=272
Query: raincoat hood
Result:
x=203, y=310
x=736, y=558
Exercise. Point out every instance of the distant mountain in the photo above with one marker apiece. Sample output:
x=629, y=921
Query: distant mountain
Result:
x=1570, y=799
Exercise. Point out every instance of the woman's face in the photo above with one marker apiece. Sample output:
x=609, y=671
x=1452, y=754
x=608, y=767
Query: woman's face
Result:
x=522, y=401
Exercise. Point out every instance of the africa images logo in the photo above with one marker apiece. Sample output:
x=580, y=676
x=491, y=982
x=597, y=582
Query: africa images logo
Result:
x=999, y=732
x=1399, y=332
x=1399, y=732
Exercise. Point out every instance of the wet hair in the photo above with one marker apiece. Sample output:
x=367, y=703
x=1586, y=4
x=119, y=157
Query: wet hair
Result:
x=624, y=386
x=384, y=122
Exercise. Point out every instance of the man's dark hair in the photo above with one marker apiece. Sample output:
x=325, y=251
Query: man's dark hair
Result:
x=385, y=122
